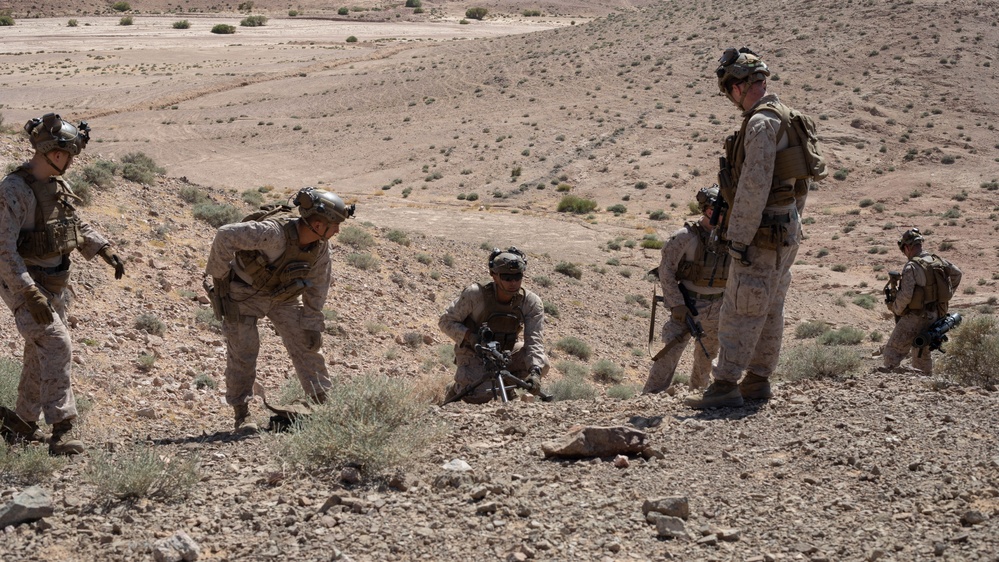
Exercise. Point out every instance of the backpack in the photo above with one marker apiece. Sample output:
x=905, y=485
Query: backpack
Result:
x=268, y=211
x=802, y=159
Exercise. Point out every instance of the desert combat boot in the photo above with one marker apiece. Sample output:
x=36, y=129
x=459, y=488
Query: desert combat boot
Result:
x=755, y=387
x=59, y=444
x=719, y=394
x=243, y=423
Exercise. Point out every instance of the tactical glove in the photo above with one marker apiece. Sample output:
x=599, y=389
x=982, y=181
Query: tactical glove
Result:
x=534, y=380
x=38, y=305
x=313, y=340
x=678, y=313
x=740, y=252
x=113, y=260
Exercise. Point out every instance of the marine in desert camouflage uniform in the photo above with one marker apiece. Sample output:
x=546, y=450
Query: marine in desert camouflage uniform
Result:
x=277, y=268
x=39, y=229
x=694, y=258
x=922, y=297
x=516, y=317
x=763, y=229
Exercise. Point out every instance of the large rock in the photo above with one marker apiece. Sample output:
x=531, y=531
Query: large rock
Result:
x=178, y=548
x=673, y=506
x=596, y=441
x=32, y=504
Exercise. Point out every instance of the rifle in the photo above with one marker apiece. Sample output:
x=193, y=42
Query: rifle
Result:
x=497, y=364
x=891, y=289
x=936, y=334
x=692, y=325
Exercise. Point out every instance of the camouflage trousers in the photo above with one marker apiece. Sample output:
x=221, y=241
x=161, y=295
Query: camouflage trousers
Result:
x=471, y=370
x=900, y=342
x=45, y=386
x=751, y=325
x=662, y=370
x=243, y=345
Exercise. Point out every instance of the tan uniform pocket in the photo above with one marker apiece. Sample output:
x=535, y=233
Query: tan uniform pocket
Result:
x=750, y=295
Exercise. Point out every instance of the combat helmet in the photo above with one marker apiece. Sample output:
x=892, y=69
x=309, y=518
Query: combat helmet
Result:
x=910, y=237
x=49, y=132
x=706, y=197
x=739, y=65
x=311, y=202
x=510, y=260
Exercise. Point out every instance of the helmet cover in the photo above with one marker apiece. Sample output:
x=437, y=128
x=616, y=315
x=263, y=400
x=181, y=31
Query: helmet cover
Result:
x=910, y=237
x=706, y=197
x=510, y=260
x=312, y=202
x=739, y=65
x=49, y=132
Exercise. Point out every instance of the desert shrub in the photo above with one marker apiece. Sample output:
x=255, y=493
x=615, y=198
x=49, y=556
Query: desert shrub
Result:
x=606, y=371
x=476, y=13
x=651, y=241
x=150, y=323
x=399, y=237
x=448, y=260
x=544, y=280
x=145, y=361
x=352, y=39
x=574, y=346
x=551, y=309
x=10, y=376
x=374, y=423
x=973, y=352
x=571, y=387
x=865, y=301
x=292, y=13
x=412, y=339
x=810, y=329
x=531, y=13
x=125, y=20
x=246, y=6
x=223, y=29
x=866, y=202
x=191, y=194
x=425, y=259
x=818, y=361
x=847, y=335
x=203, y=380
x=142, y=471
x=182, y=24
x=6, y=20
x=618, y=209
x=622, y=391
x=473, y=196
x=139, y=168
x=27, y=465
x=72, y=23
x=365, y=262
x=570, y=269
x=414, y=3
x=252, y=197
x=253, y=21
x=100, y=173
x=658, y=215
x=121, y=6
x=216, y=214
x=576, y=205
x=343, y=11
x=356, y=237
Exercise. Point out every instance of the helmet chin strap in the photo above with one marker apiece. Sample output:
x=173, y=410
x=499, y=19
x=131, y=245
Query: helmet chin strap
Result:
x=54, y=167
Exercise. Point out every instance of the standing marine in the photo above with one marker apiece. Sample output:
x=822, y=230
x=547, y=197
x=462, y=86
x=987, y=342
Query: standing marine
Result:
x=39, y=230
x=925, y=288
x=764, y=179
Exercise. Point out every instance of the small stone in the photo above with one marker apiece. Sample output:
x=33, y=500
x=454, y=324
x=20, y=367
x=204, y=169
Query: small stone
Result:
x=670, y=527
x=973, y=517
x=457, y=465
x=179, y=547
x=710, y=540
x=729, y=535
x=350, y=475
x=939, y=548
x=621, y=461
x=486, y=508
x=147, y=413
x=675, y=506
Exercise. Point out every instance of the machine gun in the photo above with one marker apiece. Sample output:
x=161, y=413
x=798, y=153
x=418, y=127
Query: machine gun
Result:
x=936, y=334
x=693, y=326
x=497, y=363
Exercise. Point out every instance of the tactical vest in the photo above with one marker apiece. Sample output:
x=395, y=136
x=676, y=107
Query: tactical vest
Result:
x=708, y=268
x=936, y=293
x=284, y=279
x=505, y=320
x=57, y=230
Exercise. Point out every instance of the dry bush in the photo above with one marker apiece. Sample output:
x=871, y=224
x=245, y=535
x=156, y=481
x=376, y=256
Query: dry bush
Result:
x=374, y=423
x=816, y=361
x=142, y=471
x=574, y=346
x=571, y=387
x=973, y=352
x=10, y=376
x=26, y=465
x=607, y=371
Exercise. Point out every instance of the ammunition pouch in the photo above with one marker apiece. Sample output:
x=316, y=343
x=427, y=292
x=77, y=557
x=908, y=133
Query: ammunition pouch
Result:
x=56, y=238
x=772, y=233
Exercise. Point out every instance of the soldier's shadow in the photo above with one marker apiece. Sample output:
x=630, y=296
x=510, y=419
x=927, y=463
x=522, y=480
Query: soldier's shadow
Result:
x=751, y=407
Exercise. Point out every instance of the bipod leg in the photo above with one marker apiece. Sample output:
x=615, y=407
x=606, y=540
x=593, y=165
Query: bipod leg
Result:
x=502, y=386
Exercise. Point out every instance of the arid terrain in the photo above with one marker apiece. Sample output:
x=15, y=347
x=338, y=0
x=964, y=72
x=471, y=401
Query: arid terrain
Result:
x=611, y=101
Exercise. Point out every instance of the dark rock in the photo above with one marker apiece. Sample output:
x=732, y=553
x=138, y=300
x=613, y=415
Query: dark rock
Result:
x=596, y=441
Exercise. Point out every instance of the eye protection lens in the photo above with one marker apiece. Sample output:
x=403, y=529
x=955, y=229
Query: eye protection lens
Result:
x=511, y=276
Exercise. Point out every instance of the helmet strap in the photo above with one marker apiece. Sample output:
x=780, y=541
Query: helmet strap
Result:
x=54, y=167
